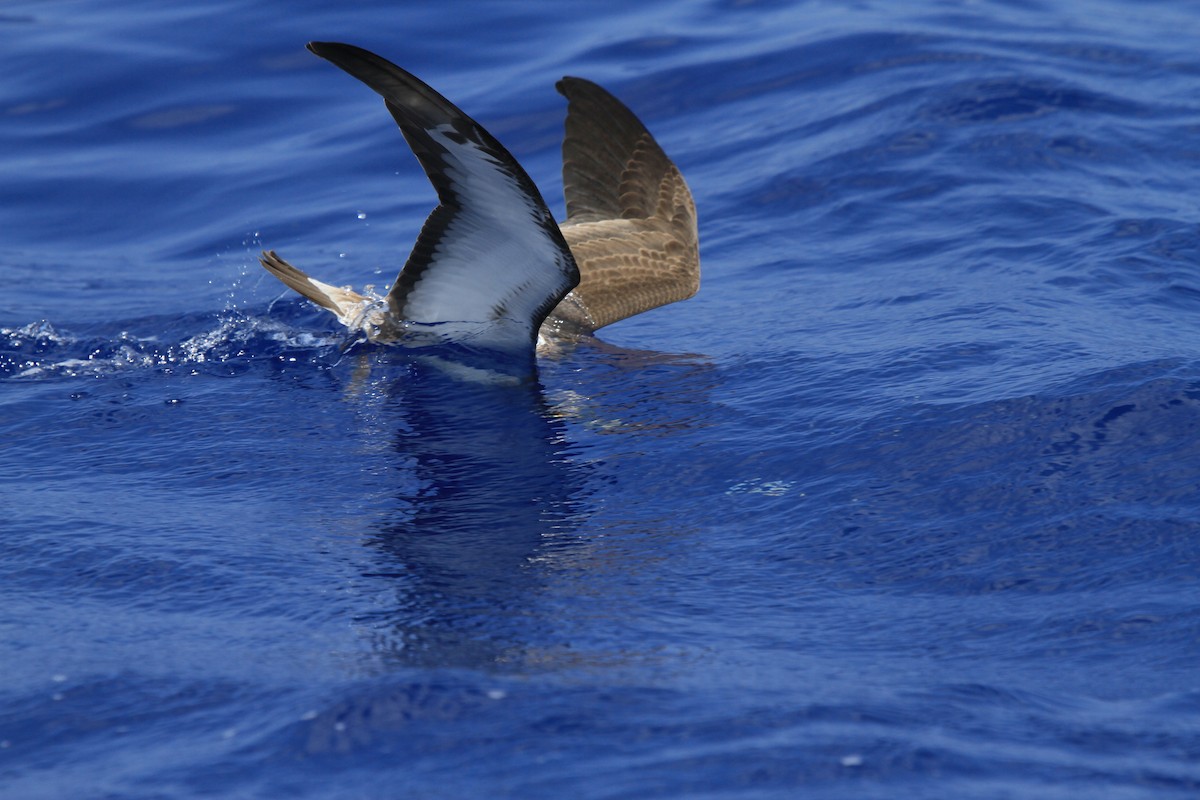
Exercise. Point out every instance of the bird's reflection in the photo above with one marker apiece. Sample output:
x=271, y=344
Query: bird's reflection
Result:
x=488, y=498
x=489, y=489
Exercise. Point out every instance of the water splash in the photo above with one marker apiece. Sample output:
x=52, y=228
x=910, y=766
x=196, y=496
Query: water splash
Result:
x=40, y=350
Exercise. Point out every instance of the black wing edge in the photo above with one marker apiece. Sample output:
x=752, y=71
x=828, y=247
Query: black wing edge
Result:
x=418, y=108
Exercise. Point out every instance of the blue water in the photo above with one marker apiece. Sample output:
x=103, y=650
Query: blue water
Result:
x=905, y=503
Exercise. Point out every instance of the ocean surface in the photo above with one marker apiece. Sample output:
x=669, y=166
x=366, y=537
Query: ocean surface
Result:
x=905, y=503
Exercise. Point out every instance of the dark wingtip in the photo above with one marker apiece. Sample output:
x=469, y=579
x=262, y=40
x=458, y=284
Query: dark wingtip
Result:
x=316, y=48
x=341, y=53
x=332, y=50
x=569, y=82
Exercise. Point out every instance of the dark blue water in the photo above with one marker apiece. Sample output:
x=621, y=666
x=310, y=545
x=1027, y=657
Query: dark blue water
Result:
x=905, y=503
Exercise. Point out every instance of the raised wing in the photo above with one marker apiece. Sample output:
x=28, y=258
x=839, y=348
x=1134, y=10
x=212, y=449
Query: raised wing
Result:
x=490, y=257
x=631, y=220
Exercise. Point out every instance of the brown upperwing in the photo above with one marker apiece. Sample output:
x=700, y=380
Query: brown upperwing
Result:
x=631, y=221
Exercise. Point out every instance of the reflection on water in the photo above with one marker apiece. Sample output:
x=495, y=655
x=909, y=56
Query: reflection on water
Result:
x=484, y=517
x=498, y=557
x=488, y=490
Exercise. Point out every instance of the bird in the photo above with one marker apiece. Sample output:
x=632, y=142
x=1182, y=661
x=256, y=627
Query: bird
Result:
x=491, y=268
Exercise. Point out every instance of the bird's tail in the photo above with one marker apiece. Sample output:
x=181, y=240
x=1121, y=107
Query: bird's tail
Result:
x=347, y=304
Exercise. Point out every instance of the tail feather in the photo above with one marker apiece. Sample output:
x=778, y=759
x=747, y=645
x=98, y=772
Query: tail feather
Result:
x=345, y=303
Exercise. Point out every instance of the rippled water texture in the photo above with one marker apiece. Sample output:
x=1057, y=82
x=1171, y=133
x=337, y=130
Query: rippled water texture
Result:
x=902, y=504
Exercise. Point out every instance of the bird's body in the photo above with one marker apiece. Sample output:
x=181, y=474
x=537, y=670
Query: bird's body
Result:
x=490, y=266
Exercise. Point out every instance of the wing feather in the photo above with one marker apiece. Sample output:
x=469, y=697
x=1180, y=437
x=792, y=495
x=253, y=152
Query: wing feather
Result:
x=631, y=220
x=491, y=251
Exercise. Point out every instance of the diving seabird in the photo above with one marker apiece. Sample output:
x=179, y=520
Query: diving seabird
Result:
x=490, y=265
